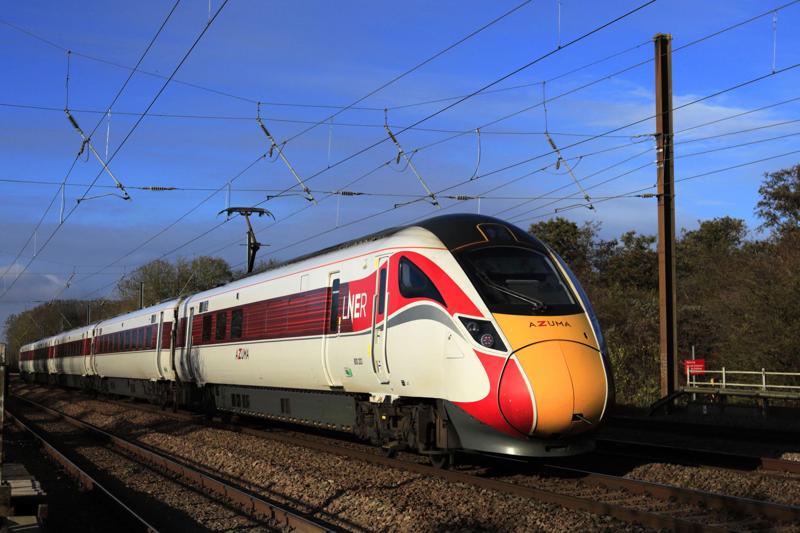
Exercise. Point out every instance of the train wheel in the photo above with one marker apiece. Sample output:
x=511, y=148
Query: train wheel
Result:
x=391, y=453
x=442, y=460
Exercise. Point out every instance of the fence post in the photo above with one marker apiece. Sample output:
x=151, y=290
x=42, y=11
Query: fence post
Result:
x=723, y=377
x=763, y=379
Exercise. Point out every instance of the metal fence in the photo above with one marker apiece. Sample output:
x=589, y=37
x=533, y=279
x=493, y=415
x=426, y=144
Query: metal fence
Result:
x=744, y=380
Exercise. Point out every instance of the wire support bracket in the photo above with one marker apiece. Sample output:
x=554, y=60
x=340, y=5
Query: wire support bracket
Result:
x=87, y=143
x=273, y=145
x=402, y=154
x=563, y=161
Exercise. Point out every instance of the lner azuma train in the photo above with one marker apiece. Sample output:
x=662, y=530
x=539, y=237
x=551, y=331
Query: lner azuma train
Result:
x=461, y=332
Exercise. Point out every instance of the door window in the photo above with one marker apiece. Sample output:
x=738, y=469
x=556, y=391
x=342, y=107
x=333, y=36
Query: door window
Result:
x=333, y=326
x=382, y=292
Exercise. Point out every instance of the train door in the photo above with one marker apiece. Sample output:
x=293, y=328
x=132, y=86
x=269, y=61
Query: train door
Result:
x=90, y=346
x=188, y=360
x=161, y=355
x=331, y=329
x=380, y=308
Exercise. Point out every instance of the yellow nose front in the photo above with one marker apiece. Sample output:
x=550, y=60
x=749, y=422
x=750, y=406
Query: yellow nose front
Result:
x=564, y=369
x=568, y=382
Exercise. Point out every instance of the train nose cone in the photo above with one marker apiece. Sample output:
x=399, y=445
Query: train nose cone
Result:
x=567, y=380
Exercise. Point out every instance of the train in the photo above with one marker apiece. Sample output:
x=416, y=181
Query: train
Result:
x=458, y=333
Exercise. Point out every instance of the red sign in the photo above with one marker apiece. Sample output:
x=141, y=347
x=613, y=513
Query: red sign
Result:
x=697, y=366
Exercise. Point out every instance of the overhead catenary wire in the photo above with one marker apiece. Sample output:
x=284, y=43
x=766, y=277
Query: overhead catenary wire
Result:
x=634, y=193
x=127, y=136
x=449, y=188
x=414, y=68
x=584, y=155
x=266, y=102
x=478, y=91
x=597, y=199
x=609, y=198
x=646, y=118
x=793, y=2
x=682, y=156
x=625, y=173
x=489, y=85
x=74, y=162
x=691, y=154
x=616, y=73
x=297, y=121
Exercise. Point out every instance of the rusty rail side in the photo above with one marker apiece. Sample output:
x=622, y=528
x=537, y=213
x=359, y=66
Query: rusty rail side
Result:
x=251, y=503
x=645, y=518
x=86, y=481
x=743, y=506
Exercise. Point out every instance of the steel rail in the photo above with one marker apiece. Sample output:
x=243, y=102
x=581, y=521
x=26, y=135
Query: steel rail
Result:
x=744, y=506
x=720, y=502
x=698, y=456
x=84, y=479
x=626, y=514
x=251, y=503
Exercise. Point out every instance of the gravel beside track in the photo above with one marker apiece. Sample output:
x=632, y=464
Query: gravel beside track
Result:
x=774, y=487
x=163, y=501
x=371, y=497
x=68, y=507
x=359, y=495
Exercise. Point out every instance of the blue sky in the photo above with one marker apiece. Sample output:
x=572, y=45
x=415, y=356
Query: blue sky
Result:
x=332, y=53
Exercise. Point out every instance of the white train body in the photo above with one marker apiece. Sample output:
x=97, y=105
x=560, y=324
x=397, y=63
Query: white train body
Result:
x=460, y=332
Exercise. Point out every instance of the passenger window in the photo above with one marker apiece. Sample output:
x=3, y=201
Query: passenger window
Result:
x=237, y=319
x=415, y=284
x=222, y=323
x=206, y=328
x=382, y=292
x=334, y=319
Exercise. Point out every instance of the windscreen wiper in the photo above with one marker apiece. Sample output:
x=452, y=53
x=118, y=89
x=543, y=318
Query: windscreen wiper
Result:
x=538, y=305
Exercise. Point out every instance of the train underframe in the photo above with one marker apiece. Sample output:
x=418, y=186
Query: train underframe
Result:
x=432, y=427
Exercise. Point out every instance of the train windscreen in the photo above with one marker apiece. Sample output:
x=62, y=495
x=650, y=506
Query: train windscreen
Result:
x=516, y=280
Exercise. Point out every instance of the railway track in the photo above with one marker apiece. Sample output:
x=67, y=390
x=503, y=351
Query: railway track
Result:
x=639, y=502
x=269, y=514
x=85, y=481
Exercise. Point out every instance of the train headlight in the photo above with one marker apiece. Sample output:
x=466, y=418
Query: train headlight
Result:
x=487, y=339
x=483, y=332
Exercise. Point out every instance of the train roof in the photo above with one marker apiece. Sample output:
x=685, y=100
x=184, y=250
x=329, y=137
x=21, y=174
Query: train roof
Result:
x=456, y=231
